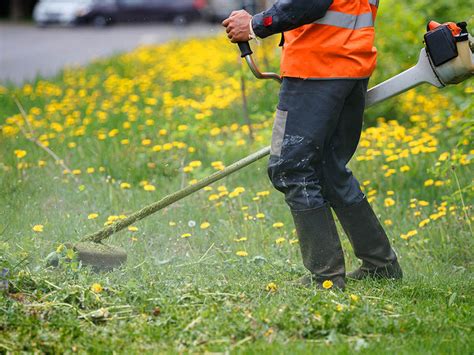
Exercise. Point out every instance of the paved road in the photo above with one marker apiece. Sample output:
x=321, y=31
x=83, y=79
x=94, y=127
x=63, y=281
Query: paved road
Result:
x=26, y=51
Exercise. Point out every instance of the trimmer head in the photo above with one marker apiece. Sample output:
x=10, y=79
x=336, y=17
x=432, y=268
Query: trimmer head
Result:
x=101, y=257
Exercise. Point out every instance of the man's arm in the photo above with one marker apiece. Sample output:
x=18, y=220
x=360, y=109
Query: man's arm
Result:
x=286, y=15
x=283, y=16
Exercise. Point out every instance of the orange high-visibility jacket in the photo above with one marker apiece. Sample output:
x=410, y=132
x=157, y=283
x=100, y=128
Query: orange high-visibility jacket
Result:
x=338, y=45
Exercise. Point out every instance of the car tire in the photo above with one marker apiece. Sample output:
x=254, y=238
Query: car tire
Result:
x=180, y=20
x=100, y=21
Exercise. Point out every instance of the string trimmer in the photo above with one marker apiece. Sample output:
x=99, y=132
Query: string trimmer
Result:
x=447, y=58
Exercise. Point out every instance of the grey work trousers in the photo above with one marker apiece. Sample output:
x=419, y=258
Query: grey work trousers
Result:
x=315, y=134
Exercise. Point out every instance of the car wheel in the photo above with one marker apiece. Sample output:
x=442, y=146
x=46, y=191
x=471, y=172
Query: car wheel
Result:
x=100, y=21
x=180, y=20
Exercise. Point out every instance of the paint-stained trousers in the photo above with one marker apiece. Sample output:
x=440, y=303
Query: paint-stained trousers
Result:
x=316, y=131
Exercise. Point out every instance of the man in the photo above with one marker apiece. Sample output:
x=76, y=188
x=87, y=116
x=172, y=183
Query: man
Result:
x=328, y=57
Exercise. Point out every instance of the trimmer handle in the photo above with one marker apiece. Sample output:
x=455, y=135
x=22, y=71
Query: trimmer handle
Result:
x=245, y=49
x=246, y=52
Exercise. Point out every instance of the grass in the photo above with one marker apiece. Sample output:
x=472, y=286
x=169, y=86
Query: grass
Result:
x=136, y=127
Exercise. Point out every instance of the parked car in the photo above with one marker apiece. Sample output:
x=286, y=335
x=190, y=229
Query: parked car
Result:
x=104, y=12
x=218, y=10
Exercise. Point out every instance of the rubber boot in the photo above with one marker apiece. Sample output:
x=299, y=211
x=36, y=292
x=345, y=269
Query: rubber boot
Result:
x=369, y=241
x=320, y=247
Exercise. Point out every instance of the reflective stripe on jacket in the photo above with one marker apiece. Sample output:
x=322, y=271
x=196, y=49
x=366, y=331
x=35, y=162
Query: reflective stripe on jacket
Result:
x=338, y=45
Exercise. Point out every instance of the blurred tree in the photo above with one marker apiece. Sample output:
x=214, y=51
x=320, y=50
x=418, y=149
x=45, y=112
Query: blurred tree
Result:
x=20, y=9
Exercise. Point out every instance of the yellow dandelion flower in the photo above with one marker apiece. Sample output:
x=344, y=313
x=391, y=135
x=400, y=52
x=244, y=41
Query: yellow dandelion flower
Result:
x=242, y=253
x=215, y=131
x=354, y=298
x=90, y=170
x=20, y=153
x=388, y=222
x=167, y=146
x=444, y=156
x=390, y=193
x=38, y=228
x=213, y=197
x=424, y=222
x=371, y=192
x=125, y=141
x=404, y=168
x=185, y=235
x=96, y=288
x=149, y=187
x=238, y=240
x=278, y=225
x=260, y=215
x=271, y=287
x=327, y=284
x=412, y=233
x=423, y=203
x=294, y=241
x=195, y=163
x=388, y=202
x=216, y=163
x=339, y=307
x=269, y=332
x=76, y=172
x=125, y=185
x=428, y=182
x=171, y=223
x=280, y=240
x=92, y=216
x=205, y=225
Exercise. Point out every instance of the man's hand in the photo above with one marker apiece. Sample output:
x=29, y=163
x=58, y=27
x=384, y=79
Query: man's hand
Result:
x=238, y=26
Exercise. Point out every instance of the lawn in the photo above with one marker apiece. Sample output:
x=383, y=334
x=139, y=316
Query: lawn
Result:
x=214, y=272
